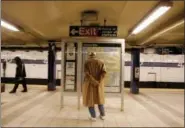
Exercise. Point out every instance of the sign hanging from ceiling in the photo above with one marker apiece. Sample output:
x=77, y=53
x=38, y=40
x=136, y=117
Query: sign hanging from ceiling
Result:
x=93, y=31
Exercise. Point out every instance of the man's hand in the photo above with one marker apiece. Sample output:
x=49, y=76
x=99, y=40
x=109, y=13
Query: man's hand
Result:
x=92, y=79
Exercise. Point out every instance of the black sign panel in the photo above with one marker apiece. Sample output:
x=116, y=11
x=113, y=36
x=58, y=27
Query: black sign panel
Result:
x=169, y=50
x=101, y=45
x=93, y=31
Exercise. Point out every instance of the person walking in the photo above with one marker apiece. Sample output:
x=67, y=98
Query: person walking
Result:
x=93, y=86
x=20, y=75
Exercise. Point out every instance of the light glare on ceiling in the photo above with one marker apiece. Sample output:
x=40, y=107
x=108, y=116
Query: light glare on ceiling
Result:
x=170, y=28
x=181, y=22
x=8, y=26
x=151, y=18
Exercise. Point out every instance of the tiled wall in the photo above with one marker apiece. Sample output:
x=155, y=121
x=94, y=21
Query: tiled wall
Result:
x=154, y=67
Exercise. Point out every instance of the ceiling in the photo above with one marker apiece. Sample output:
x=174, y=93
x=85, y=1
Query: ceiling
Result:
x=50, y=20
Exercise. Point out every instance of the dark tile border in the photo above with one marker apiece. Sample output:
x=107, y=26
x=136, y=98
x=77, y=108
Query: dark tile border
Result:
x=142, y=84
x=127, y=63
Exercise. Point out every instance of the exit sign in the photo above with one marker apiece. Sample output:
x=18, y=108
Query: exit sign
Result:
x=93, y=31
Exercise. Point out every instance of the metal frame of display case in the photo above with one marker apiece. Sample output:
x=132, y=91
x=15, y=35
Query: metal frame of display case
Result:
x=79, y=42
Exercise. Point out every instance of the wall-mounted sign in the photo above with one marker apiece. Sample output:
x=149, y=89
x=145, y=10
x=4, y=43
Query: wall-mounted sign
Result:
x=70, y=51
x=93, y=31
x=101, y=45
x=137, y=72
x=70, y=68
x=70, y=82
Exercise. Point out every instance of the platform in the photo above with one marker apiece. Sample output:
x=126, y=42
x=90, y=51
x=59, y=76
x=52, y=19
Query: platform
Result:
x=40, y=108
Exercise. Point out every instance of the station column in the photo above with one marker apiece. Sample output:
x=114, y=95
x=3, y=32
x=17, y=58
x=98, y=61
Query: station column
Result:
x=135, y=72
x=51, y=66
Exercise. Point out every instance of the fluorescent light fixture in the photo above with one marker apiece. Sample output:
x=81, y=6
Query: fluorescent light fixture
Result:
x=151, y=18
x=8, y=26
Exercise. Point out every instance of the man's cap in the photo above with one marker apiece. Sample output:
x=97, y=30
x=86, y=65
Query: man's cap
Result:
x=91, y=54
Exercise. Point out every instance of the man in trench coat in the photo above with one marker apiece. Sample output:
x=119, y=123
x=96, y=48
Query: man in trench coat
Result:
x=93, y=86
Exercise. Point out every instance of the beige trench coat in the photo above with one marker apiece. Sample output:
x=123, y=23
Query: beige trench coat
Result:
x=93, y=85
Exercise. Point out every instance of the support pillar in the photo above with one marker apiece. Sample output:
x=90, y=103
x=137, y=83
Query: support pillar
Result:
x=135, y=70
x=51, y=66
x=4, y=75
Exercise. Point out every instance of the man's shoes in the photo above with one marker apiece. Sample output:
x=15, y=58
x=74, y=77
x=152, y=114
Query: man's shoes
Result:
x=92, y=118
x=102, y=117
x=12, y=91
x=24, y=91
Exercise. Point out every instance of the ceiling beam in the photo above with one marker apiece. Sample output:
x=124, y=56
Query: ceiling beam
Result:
x=23, y=44
x=177, y=42
x=9, y=42
x=161, y=32
x=12, y=37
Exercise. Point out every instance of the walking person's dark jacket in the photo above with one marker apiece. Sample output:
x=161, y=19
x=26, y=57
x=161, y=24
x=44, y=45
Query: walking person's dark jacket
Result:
x=20, y=71
x=19, y=75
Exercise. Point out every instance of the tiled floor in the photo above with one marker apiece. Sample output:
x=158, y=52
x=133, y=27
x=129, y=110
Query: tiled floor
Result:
x=40, y=108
